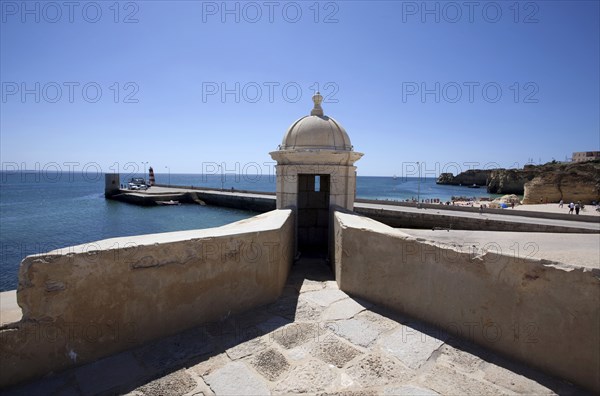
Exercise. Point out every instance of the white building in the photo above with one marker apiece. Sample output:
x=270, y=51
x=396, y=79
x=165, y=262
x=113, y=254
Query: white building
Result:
x=581, y=156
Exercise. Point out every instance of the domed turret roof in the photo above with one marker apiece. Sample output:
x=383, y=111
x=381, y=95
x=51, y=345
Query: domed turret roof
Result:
x=316, y=131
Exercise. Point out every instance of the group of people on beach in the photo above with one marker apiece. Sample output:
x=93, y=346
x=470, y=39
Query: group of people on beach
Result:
x=572, y=206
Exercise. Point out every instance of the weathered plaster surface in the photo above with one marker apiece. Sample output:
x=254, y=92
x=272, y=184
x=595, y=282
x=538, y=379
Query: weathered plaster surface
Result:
x=582, y=249
x=89, y=301
x=543, y=313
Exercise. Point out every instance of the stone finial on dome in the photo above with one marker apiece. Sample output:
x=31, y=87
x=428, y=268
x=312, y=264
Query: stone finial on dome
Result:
x=317, y=100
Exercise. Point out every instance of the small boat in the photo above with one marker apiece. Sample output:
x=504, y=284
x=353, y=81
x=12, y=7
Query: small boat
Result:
x=474, y=186
x=394, y=177
x=171, y=202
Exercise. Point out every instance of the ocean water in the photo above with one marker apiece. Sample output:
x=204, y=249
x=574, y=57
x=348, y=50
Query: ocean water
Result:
x=368, y=187
x=40, y=212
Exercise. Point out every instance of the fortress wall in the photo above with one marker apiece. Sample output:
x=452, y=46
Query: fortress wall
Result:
x=430, y=219
x=89, y=301
x=544, y=314
x=256, y=204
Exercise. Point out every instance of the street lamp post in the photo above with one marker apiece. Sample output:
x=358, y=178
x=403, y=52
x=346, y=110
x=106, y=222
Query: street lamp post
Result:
x=169, y=170
x=222, y=180
x=419, y=185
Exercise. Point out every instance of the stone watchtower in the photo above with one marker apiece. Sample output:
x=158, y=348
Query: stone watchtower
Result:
x=315, y=170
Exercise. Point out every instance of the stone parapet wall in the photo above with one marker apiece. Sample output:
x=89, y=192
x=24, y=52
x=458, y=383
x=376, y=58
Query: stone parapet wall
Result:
x=430, y=219
x=89, y=301
x=244, y=202
x=541, y=313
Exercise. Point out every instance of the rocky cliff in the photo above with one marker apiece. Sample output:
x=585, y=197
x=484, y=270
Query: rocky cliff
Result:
x=467, y=178
x=509, y=181
x=551, y=182
x=570, y=182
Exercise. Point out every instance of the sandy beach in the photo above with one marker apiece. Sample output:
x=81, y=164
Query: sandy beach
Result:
x=588, y=210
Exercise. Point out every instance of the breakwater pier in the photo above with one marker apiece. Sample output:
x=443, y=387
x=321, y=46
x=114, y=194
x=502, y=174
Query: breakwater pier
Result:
x=245, y=200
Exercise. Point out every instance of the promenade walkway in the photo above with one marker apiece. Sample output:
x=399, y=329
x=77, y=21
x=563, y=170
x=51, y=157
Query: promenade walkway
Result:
x=512, y=218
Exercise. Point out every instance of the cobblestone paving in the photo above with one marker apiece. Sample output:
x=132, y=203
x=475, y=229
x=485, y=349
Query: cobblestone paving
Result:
x=314, y=340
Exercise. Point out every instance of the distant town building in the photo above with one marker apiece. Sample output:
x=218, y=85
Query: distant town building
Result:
x=581, y=156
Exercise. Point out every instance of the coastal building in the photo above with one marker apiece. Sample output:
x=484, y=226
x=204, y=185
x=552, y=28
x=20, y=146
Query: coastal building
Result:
x=582, y=156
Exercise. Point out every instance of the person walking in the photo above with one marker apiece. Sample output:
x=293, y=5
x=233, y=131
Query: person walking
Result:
x=577, y=208
x=571, y=207
x=560, y=204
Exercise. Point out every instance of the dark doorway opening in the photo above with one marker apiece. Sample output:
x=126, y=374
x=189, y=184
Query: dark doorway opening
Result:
x=313, y=215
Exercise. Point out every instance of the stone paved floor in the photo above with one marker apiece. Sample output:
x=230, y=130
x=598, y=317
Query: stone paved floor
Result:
x=314, y=340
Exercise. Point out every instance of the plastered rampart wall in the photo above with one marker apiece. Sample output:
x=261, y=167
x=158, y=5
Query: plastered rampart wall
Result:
x=257, y=204
x=86, y=302
x=544, y=314
x=431, y=219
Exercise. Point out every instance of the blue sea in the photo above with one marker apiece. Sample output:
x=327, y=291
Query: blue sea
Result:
x=44, y=211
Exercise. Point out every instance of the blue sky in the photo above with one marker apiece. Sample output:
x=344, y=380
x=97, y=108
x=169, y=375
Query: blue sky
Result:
x=505, y=82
